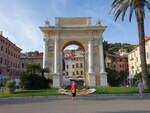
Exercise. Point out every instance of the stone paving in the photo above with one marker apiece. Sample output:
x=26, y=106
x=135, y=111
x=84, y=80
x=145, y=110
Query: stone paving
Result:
x=82, y=104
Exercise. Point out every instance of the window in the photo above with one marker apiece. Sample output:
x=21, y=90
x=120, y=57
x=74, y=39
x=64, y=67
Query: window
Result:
x=120, y=65
x=1, y=60
x=81, y=72
x=72, y=66
x=67, y=73
x=67, y=66
x=1, y=48
x=6, y=50
x=22, y=65
x=81, y=65
x=76, y=65
x=73, y=73
x=77, y=72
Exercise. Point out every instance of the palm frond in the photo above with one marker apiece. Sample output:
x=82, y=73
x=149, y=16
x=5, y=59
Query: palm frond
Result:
x=120, y=7
x=116, y=5
x=131, y=13
x=125, y=7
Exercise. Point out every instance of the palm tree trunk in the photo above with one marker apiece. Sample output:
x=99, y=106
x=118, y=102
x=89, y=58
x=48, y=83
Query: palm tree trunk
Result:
x=140, y=23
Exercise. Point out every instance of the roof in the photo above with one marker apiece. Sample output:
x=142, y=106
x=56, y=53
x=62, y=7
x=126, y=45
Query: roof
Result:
x=37, y=56
x=40, y=56
x=1, y=36
x=147, y=38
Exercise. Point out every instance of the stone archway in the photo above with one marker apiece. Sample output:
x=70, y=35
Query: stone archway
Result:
x=79, y=31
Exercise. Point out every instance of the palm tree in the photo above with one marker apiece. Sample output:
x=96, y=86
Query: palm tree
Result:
x=120, y=7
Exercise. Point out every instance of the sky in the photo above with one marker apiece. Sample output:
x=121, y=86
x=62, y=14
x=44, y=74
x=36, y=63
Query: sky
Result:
x=20, y=20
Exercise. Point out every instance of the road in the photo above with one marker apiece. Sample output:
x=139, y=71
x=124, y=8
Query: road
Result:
x=82, y=104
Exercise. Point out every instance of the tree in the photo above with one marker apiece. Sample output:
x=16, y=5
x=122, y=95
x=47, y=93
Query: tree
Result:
x=120, y=7
x=33, y=68
x=36, y=69
x=123, y=77
x=117, y=78
x=113, y=77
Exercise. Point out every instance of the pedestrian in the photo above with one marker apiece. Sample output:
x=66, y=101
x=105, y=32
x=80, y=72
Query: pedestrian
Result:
x=140, y=88
x=73, y=89
x=17, y=80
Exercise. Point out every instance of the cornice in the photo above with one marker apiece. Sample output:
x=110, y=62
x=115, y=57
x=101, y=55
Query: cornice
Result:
x=78, y=28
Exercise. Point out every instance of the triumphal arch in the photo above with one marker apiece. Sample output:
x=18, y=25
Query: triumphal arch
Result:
x=77, y=31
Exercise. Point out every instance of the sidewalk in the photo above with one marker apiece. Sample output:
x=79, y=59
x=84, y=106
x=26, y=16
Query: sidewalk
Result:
x=82, y=104
x=34, y=99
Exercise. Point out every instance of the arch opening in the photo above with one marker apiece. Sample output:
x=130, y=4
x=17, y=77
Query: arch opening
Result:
x=73, y=62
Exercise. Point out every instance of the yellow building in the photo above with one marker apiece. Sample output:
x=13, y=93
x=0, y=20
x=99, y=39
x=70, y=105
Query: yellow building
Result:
x=74, y=64
x=134, y=61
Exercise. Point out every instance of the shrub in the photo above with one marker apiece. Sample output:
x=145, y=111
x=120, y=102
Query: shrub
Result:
x=117, y=78
x=33, y=81
x=10, y=85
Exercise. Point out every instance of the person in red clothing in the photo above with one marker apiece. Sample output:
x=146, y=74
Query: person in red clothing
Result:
x=73, y=89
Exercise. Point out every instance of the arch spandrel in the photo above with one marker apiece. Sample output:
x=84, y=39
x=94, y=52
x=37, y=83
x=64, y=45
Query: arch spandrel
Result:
x=81, y=43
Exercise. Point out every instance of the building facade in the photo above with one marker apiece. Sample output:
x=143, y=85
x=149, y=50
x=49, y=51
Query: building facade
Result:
x=134, y=59
x=34, y=58
x=9, y=58
x=74, y=64
x=116, y=62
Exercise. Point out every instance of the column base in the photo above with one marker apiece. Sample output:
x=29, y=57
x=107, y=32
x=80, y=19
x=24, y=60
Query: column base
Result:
x=56, y=80
x=91, y=79
x=103, y=79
